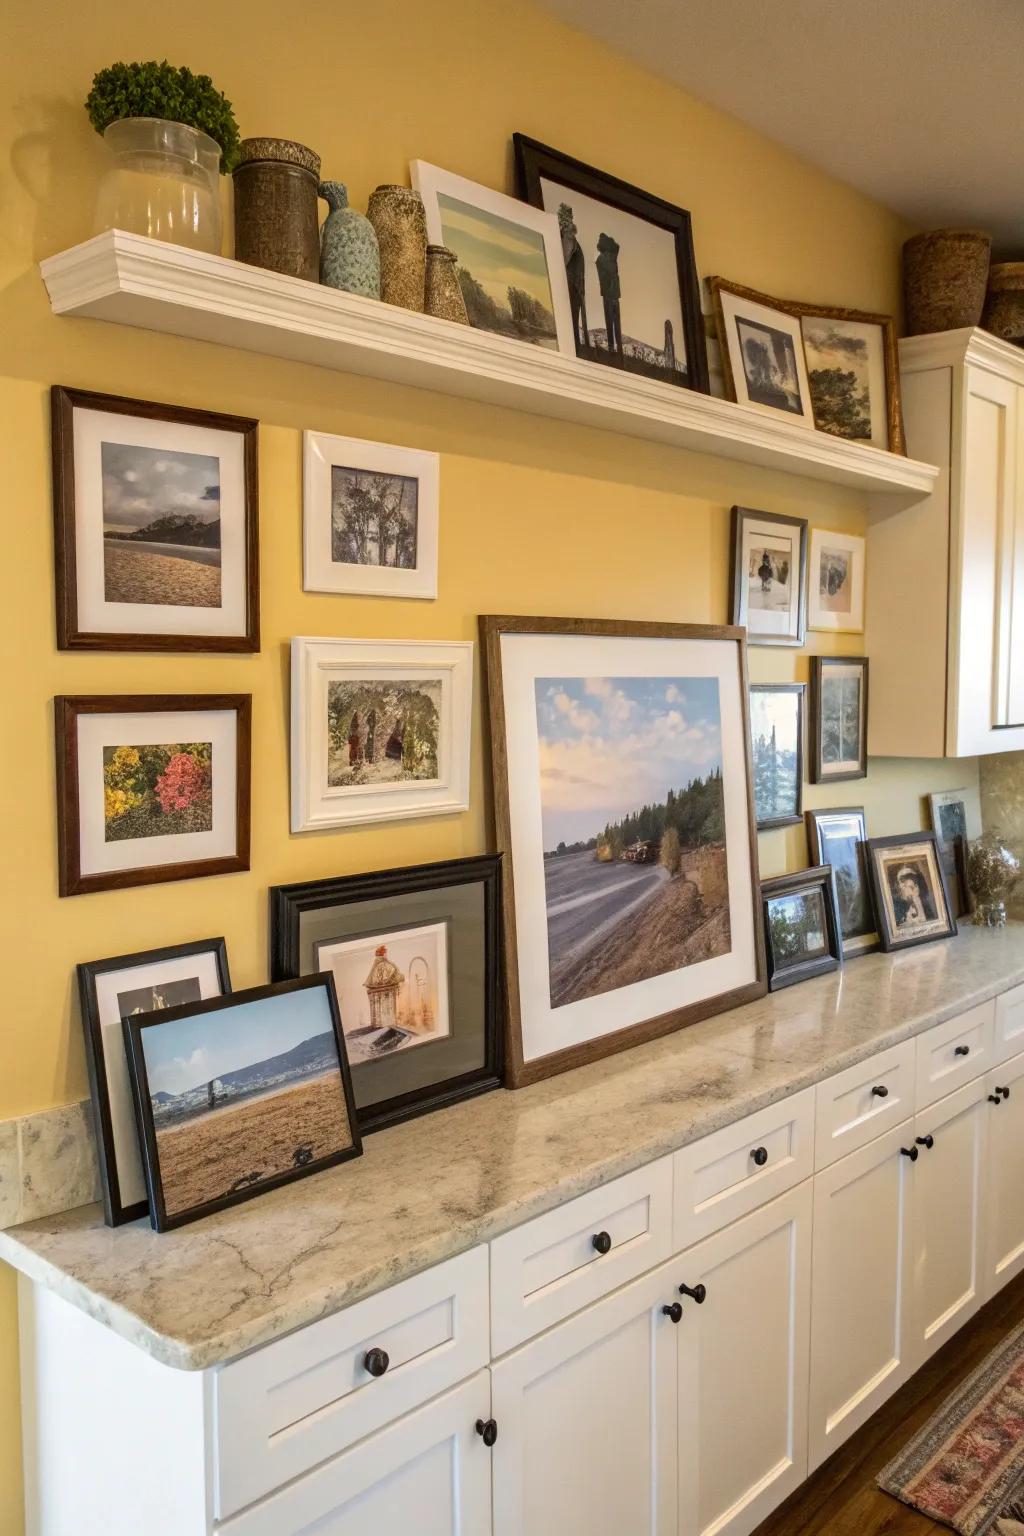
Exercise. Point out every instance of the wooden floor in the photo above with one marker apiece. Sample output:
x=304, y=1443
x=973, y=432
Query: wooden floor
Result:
x=841, y=1498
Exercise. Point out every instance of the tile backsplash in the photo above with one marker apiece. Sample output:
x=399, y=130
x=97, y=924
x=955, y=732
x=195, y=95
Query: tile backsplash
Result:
x=47, y=1163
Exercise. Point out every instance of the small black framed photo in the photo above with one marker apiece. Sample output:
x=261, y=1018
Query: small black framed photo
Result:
x=238, y=1095
x=839, y=718
x=769, y=576
x=802, y=933
x=777, y=747
x=839, y=837
x=414, y=956
x=110, y=991
x=909, y=885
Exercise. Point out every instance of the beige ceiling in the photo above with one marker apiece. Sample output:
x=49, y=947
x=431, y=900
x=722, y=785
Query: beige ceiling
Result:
x=918, y=103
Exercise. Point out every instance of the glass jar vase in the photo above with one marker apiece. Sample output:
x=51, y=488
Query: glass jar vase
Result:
x=163, y=181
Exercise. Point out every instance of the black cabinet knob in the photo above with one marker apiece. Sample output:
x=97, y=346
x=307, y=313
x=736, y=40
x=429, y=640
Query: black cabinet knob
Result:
x=675, y=1312
x=880, y=1092
x=910, y=1152
x=962, y=1050
x=1003, y=1092
x=760, y=1156
x=994, y=1098
x=699, y=1293
x=926, y=1141
x=376, y=1361
x=487, y=1429
x=601, y=1241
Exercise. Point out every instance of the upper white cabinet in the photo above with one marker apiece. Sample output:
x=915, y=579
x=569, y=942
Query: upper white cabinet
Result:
x=945, y=580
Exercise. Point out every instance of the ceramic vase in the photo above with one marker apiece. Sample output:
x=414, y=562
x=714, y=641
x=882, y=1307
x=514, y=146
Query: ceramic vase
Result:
x=277, y=221
x=443, y=294
x=400, y=224
x=349, y=255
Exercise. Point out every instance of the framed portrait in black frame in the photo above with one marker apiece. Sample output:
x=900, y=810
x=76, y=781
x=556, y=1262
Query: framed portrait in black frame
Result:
x=839, y=837
x=414, y=955
x=909, y=886
x=629, y=263
x=802, y=935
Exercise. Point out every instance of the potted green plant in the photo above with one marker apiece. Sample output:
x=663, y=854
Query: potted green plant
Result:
x=169, y=132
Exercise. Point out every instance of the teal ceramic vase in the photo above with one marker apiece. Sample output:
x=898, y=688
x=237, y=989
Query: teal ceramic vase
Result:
x=349, y=257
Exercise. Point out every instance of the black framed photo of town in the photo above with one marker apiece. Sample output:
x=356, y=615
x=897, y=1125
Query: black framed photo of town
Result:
x=629, y=264
x=238, y=1095
x=910, y=891
x=777, y=750
x=156, y=526
x=769, y=576
x=839, y=837
x=414, y=954
x=115, y=989
x=839, y=718
x=802, y=933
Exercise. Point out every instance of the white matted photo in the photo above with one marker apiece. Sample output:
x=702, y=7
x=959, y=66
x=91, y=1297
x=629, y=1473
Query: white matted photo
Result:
x=370, y=517
x=380, y=730
x=392, y=989
x=763, y=354
x=835, y=597
x=769, y=580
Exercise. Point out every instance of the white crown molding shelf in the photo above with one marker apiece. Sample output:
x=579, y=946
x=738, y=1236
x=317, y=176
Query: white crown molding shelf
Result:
x=131, y=280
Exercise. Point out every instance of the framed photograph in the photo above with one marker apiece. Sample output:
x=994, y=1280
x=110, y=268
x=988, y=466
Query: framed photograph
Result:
x=155, y=526
x=762, y=352
x=629, y=266
x=956, y=821
x=839, y=718
x=769, y=576
x=909, y=887
x=369, y=517
x=238, y=1095
x=839, y=838
x=380, y=730
x=835, y=598
x=853, y=372
x=624, y=808
x=116, y=989
x=151, y=788
x=414, y=954
x=777, y=746
x=801, y=927
x=508, y=258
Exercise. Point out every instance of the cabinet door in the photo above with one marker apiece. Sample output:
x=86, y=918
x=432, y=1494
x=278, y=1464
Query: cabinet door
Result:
x=862, y=1280
x=743, y=1368
x=586, y=1418
x=1004, y=1186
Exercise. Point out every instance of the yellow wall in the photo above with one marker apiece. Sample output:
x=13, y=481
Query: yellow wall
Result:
x=536, y=517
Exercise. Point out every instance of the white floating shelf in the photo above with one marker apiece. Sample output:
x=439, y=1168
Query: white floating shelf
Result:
x=131, y=280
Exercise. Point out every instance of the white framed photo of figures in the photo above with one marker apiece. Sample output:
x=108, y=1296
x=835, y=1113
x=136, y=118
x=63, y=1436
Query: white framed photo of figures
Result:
x=769, y=576
x=369, y=517
x=380, y=730
x=835, y=596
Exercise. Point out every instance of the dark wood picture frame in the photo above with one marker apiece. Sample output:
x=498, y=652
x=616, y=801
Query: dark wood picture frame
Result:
x=64, y=401
x=133, y=1030
x=534, y=160
x=769, y=823
x=520, y=1072
x=890, y=939
x=820, y=878
x=115, y=1212
x=858, y=944
x=289, y=902
x=739, y=615
x=819, y=666
x=67, y=711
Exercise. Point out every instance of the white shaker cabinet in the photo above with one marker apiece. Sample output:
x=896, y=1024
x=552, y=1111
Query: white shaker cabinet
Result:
x=1004, y=1187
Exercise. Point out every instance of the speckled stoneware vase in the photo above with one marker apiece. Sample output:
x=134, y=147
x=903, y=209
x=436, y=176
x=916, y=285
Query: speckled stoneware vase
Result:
x=443, y=295
x=400, y=224
x=349, y=255
x=277, y=221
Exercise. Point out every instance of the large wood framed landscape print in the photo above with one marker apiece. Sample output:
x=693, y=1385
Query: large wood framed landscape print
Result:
x=769, y=576
x=629, y=267
x=839, y=718
x=156, y=526
x=624, y=808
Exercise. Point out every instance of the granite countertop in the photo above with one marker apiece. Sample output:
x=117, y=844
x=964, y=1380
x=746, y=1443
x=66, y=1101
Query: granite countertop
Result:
x=433, y=1187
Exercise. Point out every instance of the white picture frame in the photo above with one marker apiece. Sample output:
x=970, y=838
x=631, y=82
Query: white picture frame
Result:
x=737, y=314
x=331, y=675
x=328, y=460
x=837, y=561
x=436, y=185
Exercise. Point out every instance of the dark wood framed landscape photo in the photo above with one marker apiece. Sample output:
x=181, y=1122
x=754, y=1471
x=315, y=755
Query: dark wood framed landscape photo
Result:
x=156, y=525
x=839, y=837
x=151, y=788
x=762, y=352
x=802, y=934
x=625, y=811
x=777, y=747
x=839, y=718
x=414, y=954
x=769, y=576
x=909, y=887
x=111, y=991
x=239, y=1095
x=629, y=264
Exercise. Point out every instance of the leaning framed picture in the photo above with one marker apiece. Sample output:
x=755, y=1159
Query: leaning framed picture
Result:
x=839, y=718
x=155, y=526
x=151, y=788
x=839, y=837
x=624, y=809
x=909, y=886
x=853, y=373
x=769, y=576
x=508, y=257
x=238, y=1095
x=119, y=988
x=629, y=266
x=777, y=747
x=414, y=954
x=762, y=351
x=802, y=934
x=956, y=821
x=835, y=591
x=369, y=517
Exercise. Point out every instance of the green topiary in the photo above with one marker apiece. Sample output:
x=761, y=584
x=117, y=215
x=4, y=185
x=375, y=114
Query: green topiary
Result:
x=160, y=90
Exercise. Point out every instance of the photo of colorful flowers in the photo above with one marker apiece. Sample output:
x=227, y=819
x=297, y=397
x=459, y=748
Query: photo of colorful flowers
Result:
x=157, y=791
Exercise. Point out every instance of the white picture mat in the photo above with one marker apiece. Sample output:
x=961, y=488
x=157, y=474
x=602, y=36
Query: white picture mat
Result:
x=95, y=615
x=761, y=622
x=131, y=1182
x=748, y=309
x=327, y=955
x=321, y=451
x=832, y=673
x=820, y=618
x=217, y=726
x=873, y=336
x=524, y=658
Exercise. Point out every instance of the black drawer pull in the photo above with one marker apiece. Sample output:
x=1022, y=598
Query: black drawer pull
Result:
x=376, y=1361
x=994, y=1098
x=880, y=1092
x=601, y=1241
x=675, y=1312
x=962, y=1050
x=760, y=1156
x=911, y=1152
x=487, y=1429
x=926, y=1141
x=699, y=1293
x=1003, y=1092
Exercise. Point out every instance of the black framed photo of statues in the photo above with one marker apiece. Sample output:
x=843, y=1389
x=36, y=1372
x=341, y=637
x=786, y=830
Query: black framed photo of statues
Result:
x=630, y=268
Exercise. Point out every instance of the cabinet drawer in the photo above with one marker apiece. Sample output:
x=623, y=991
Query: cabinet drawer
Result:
x=1009, y=1025
x=288, y=1407
x=954, y=1053
x=550, y=1267
x=857, y=1105
x=724, y=1175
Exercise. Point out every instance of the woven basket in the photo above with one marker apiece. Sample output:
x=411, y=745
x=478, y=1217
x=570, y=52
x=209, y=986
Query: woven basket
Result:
x=1004, y=303
x=944, y=277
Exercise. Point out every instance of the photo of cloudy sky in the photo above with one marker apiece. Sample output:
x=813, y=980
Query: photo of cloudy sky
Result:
x=143, y=484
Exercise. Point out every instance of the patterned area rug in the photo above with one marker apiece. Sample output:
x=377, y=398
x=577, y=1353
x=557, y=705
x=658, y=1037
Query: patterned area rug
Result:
x=965, y=1468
